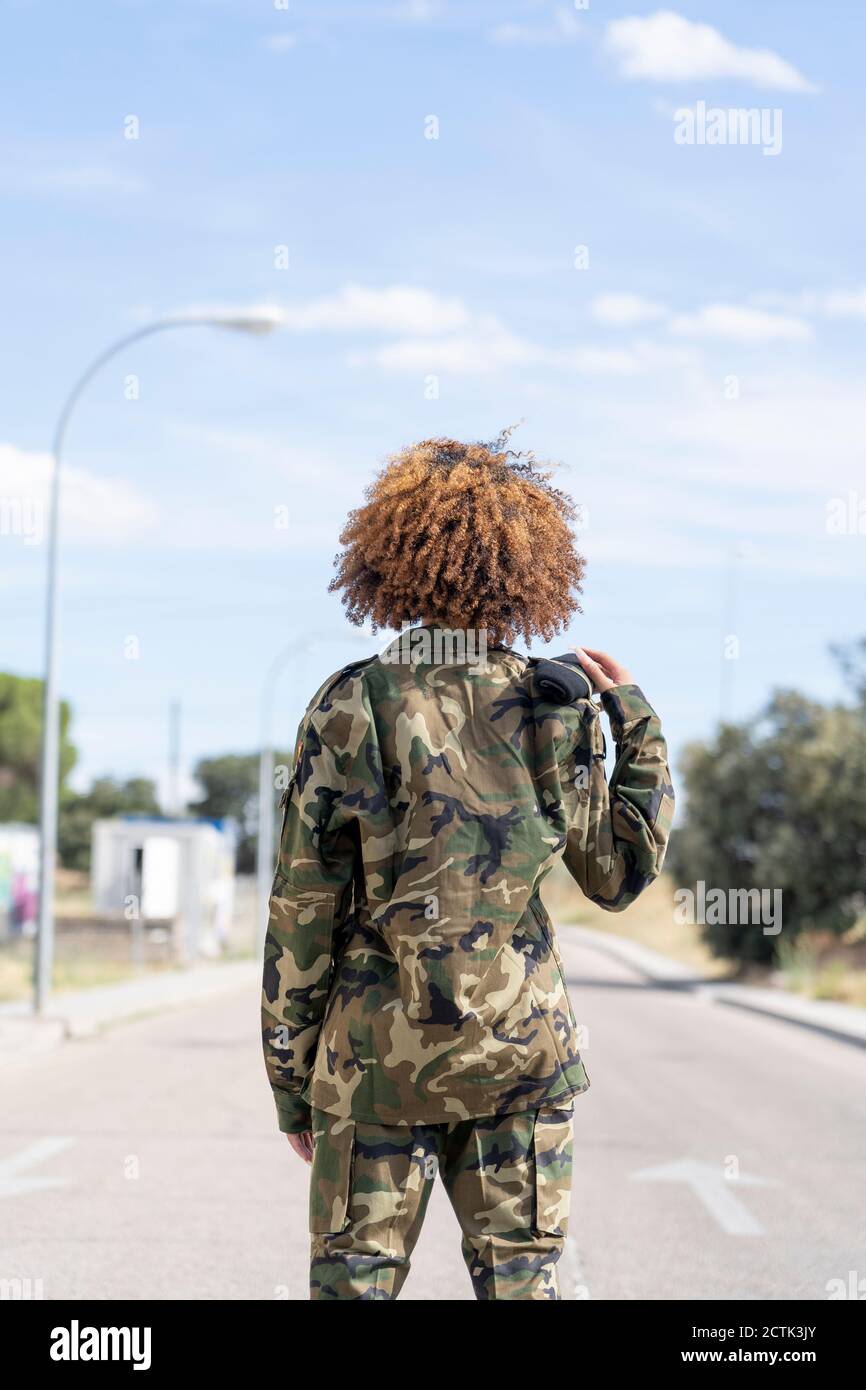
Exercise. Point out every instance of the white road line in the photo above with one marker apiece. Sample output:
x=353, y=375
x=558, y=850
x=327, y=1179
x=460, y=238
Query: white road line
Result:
x=11, y=1185
x=714, y=1189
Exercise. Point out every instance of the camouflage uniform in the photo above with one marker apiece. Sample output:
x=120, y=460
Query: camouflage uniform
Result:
x=411, y=972
x=371, y=1183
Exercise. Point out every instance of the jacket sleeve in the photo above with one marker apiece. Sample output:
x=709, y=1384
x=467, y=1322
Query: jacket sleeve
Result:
x=311, y=894
x=619, y=832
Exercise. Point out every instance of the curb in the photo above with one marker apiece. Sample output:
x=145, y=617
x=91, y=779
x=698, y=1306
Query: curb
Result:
x=844, y=1022
x=83, y=1013
x=652, y=964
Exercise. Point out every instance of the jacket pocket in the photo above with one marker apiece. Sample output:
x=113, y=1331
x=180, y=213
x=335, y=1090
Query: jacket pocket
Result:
x=546, y=928
x=552, y=1144
x=331, y=1174
x=301, y=931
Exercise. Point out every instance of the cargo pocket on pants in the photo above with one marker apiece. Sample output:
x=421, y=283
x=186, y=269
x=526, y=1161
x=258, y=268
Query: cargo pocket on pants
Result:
x=331, y=1174
x=552, y=1144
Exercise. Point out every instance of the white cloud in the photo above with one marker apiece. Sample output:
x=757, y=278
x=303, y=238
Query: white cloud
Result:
x=598, y=361
x=106, y=509
x=739, y=323
x=487, y=347
x=696, y=471
x=666, y=47
x=844, y=304
x=831, y=304
x=787, y=433
x=563, y=28
x=395, y=309
x=491, y=347
x=623, y=310
x=433, y=333
x=429, y=332
x=281, y=43
x=83, y=178
x=652, y=356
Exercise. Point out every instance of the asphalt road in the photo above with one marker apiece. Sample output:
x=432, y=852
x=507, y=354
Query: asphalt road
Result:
x=718, y=1154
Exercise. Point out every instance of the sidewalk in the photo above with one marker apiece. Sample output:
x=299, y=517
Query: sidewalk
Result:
x=80, y=1013
x=835, y=1020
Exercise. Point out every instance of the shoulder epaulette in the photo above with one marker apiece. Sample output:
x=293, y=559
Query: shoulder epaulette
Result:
x=319, y=703
x=339, y=676
x=560, y=679
x=501, y=647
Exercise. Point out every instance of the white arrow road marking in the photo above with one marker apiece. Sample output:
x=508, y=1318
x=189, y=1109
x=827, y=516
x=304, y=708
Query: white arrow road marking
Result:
x=709, y=1183
x=11, y=1185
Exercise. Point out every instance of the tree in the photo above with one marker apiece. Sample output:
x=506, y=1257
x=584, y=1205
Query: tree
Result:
x=230, y=784
x=231, y=788
x=21, y=746
x=779, y=804
x=851, y=659
x=105, y=799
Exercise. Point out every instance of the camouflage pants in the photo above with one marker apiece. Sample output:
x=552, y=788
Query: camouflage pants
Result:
x=508, y=1178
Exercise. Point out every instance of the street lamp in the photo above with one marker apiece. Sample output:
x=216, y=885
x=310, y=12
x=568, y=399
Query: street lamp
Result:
x=243, y=321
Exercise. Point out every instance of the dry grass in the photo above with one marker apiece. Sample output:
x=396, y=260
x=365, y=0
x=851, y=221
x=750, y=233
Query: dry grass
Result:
x=823, y=968
x=72, y=894
x=649, y=921
x=87, y=952
x=71, y=971
x=818, y=967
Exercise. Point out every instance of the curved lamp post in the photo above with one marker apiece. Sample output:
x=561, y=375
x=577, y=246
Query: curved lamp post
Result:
x=252, y=321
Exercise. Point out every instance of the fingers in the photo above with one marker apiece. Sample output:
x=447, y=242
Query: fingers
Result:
x=587, y=655
x=602, y=659
x=604, y=670
x=594, y=670
x=302, y=1144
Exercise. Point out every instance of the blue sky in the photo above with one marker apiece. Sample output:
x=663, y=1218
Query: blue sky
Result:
x=700, y=379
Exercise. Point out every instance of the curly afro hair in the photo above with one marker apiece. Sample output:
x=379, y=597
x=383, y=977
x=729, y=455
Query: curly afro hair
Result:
x=470, y=535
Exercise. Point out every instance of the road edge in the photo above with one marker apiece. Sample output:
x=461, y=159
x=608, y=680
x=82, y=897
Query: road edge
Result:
x=844, y=1022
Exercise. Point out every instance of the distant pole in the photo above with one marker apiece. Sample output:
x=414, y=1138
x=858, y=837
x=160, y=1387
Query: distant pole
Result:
x=50, y=770
x=174, y=758
x=252, y=321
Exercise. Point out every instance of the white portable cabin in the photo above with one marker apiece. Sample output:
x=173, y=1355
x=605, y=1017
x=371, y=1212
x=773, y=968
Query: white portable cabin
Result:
x=155, y=870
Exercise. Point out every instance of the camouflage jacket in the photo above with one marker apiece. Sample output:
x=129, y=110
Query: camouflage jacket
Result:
x=411, y=972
